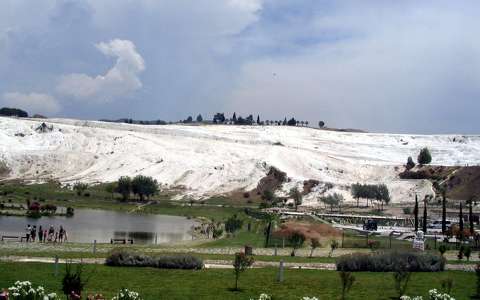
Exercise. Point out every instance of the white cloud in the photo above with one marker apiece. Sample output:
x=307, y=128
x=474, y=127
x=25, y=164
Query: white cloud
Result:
x=32, y=102
x=120, y=80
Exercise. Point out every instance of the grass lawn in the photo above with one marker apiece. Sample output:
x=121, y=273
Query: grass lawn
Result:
x=156, y=284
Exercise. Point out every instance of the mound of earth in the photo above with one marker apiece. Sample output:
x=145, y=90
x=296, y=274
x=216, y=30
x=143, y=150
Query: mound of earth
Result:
x=461, y=183
x=322, y=232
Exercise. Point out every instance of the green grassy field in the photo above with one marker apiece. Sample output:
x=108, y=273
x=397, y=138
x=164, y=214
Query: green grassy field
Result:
x=156, y=284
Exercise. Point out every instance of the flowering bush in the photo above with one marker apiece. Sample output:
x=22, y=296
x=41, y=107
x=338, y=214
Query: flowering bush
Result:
x=23, y=290
x=267, y=297
x=432, y=295
x=125, y=294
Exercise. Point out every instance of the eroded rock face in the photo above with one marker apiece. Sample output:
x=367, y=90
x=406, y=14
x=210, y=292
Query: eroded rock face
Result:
x=4, y=170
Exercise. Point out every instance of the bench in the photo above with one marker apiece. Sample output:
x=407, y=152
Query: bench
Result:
x=13, y=237
x=121, y=241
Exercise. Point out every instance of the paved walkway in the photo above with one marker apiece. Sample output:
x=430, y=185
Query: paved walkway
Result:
x=219, y=264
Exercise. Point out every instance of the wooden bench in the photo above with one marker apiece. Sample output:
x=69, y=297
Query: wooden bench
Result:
x=121, y=241
x=13, y=237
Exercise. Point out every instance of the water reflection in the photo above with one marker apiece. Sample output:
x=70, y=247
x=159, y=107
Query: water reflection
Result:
x=101, y=225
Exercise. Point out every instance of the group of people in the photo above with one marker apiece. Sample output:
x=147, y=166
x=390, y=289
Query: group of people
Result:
x=44, y=235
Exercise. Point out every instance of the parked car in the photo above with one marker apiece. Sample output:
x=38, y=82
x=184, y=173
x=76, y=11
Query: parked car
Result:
x=370, y=225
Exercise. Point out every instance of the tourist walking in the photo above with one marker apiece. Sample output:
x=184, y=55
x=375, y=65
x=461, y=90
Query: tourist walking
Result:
x=33, y=234
x=60, y=234
x=28, y=230
x=40, y=233
x=45, y=236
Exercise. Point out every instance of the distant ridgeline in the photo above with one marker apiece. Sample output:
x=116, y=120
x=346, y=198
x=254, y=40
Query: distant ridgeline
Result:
x=131, y=121
x=13, y=112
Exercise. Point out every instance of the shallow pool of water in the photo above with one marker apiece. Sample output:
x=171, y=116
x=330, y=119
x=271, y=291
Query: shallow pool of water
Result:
x=102, y=225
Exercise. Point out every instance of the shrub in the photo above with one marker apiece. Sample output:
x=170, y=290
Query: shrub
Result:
x=407, y=210
x=125, y=294
x=121, y=258
x=424, y=157
x=391, y=262
x=24, y=290
x=432, y=295
x=442, y=249
x=73, y=282
x=401, y=279
x=347, y=281
x=410, y=164
x=240, y=264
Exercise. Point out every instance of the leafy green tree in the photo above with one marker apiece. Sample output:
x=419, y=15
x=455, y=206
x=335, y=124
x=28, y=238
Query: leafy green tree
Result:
x=333, y=200
x=425, y=216
x=270, y=221
x=321, y=124
x=314, y=244
x=296, y=239
x=199, y=118
x=111, y=188
x=241, y=263
x=233, y=224
x=144, y=186
x=80, y=188
x=415, y=213
x=424, y=157
x=124, y=187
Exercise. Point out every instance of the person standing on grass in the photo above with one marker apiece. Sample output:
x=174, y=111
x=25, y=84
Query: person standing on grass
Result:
x=28, y=230
x=40, y=233
x=45, y=236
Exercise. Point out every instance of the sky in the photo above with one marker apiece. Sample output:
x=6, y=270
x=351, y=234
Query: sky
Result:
x=381, y=66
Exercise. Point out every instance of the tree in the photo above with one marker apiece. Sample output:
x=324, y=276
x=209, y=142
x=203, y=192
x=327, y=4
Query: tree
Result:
x=314, y=244
x=296, y=239
x=219, y=118
x=470, y=217
x=347, y=280
x=425, y=215
x=258, y=119
x=124, y=187
x=13, y=112
x=410, y=163
x=233, y=224
x=111, y=188
x=460, y=223
x=333, y=200
x=321, y=124
x=199, y=118
x=382, y=194
x=333, y=246
x=284, y=121
x=401, y=278
x=424, y=157
x=306, y=123
x=415, y=213
x=444, y=211
x=268, y=195
x=270, y=220
x=189, y=120
x=144, y=186
x=240, y=264
x=234, y=118
x=296, y=196
x=292, y=122
x=80, y=188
